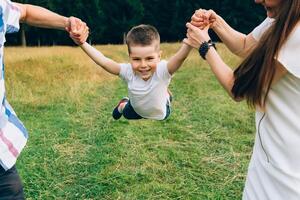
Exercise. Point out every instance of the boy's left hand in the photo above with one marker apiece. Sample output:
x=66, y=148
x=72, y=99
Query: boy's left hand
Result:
x=189, y=41
x=196, y=36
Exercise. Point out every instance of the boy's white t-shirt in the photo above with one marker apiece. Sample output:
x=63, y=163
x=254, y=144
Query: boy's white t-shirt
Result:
x=148, y=98
x=274, y=169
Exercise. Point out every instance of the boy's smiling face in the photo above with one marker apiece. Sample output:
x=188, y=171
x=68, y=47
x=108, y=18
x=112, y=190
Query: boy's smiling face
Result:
x=144, y=59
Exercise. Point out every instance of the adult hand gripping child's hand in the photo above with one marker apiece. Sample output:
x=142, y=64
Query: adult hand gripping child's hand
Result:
x=78, y=30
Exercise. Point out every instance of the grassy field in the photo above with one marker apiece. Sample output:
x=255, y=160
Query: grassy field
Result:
x=77, y=151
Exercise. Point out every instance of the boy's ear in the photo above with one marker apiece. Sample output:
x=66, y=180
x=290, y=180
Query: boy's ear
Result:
x=160, y=53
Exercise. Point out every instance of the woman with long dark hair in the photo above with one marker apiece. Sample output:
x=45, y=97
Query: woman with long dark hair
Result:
x=269, y=80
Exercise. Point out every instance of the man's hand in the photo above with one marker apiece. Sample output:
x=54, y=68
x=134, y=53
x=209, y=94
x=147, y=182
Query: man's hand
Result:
x=78, y=30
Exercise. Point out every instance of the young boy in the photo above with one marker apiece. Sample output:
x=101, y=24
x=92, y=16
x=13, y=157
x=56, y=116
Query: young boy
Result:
x=147, y=76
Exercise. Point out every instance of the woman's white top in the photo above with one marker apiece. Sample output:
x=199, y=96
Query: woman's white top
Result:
x=274, y=169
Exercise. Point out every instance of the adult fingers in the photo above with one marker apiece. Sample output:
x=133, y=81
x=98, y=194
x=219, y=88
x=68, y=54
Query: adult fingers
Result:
x=200, y=12
x=210, y=15
x=80, y=27
x=191, y=26
x=84, y=35
x=191, y=42
x=200, y=25
x=197, y=18
x=79, y=24
x=188, y=42
x=72, y=24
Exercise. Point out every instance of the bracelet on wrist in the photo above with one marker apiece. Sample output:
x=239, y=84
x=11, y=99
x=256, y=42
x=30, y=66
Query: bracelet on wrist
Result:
x=204, y=47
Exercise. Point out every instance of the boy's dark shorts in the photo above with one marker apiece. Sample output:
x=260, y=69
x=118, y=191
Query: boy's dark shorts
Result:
x=129, y=113
x=10, y=185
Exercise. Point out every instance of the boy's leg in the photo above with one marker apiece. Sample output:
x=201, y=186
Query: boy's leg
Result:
x=168, y=111
x=118, y=110
x=169, y=104
x=170, y=95
x=10, y=184
x=129, y=113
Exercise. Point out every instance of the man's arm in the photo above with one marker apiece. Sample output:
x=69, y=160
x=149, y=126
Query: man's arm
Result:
x=41, y=17
x=104, y=62
x=176, y=61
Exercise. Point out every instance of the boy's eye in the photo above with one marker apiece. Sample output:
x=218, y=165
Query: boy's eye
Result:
x=150, y=58
x=135, y=59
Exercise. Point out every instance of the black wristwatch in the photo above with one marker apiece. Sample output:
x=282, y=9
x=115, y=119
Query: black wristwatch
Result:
x=204, y=47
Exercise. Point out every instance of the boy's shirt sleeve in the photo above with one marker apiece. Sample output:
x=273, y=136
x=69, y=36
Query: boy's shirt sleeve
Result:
x=163, y=72
x=126, y=72
x=10, y=16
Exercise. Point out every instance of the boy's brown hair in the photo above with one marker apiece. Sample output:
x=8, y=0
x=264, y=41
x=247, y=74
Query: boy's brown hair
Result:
x=142, y=35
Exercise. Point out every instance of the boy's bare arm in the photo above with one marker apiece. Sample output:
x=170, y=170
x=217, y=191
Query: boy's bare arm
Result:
x=176, y=61
x=104, y=62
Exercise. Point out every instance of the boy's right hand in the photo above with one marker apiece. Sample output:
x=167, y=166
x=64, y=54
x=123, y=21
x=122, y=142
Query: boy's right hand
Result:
x=203, y=18
x=78, y=30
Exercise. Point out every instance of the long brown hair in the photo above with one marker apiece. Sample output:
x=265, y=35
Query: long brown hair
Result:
x=254, y=76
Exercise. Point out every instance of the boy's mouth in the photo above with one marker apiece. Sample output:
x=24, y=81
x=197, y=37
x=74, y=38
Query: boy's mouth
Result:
x=144, y=72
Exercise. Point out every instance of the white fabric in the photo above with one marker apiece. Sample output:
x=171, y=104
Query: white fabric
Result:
x=290, y=53
x=148, y=98
x=274, y=169
x=13, y=135
x=2, y=88
x=259, y=30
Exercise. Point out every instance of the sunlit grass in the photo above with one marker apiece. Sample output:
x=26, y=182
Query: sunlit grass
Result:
x=77, y=151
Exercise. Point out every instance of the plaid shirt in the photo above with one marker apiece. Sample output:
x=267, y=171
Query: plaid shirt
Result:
x=13, y=135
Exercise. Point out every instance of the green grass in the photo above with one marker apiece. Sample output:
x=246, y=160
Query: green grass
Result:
x=77, y=151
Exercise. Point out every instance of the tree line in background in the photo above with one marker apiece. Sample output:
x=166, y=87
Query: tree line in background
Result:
x=109, y=20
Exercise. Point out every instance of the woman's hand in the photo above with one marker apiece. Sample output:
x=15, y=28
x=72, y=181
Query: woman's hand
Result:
x=203, y=18
x=196, y=36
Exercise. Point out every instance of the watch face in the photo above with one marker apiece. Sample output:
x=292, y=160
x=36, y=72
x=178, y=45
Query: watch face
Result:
x=204, y=47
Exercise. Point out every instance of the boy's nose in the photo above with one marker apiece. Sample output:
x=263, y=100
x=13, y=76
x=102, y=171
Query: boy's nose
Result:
x=144, y=63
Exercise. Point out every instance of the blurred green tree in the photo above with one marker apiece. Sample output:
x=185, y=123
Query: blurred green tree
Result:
x=109, y=20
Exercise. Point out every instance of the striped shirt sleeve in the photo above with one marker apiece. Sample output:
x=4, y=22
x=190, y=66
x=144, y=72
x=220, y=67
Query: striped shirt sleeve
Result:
x=11, y=16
